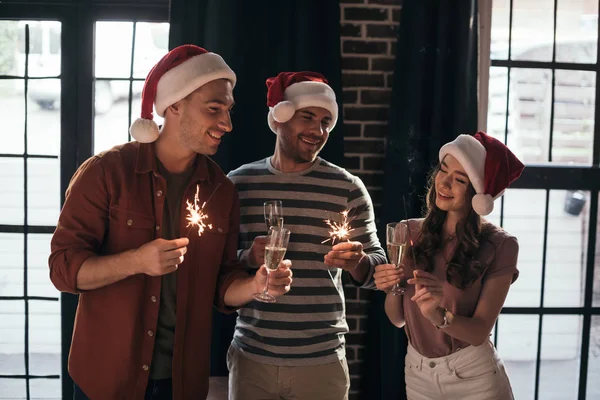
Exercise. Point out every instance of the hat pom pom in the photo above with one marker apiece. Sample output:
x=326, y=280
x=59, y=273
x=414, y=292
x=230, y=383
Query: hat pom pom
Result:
x=144, y=130
x=284, y=111
x=483, y=204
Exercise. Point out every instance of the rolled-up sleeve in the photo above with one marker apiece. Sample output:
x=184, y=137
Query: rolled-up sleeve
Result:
x=81, y=225
x=231, y=268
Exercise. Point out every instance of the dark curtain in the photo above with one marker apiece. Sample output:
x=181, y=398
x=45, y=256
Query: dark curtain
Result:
x=259, y=39
x=434, y=98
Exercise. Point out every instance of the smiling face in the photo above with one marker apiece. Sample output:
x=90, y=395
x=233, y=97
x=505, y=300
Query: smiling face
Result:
x=300, y=139
x=205, y=117
x=451, y=186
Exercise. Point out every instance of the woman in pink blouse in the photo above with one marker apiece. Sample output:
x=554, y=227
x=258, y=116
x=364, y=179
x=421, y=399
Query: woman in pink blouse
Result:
x=460, y=268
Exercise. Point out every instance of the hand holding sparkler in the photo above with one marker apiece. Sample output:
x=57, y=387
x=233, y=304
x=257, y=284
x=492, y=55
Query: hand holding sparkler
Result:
x=344, y=255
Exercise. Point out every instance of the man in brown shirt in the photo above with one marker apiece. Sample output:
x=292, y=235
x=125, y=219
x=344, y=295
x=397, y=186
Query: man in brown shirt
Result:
x=147, y=280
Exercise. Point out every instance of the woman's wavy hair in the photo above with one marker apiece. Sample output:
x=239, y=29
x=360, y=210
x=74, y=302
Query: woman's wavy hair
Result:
x=462, y=269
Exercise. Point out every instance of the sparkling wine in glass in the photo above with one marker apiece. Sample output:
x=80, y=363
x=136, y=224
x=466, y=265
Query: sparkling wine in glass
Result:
x=275, y=249
x=397, y=241
x=273, y=214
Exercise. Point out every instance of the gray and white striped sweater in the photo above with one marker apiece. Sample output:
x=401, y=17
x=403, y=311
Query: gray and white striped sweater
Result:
x=307, y=325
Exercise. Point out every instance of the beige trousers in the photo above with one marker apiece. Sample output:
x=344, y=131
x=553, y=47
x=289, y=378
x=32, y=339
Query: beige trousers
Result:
x=251, y=380
x=472, y=373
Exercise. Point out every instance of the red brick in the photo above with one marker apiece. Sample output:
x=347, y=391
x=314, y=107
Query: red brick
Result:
x=364, y=47
x=355, y=63
x=364, y=146
x=350, y=30
x=396, y=15
x=371, y=180
x=350, y=97
x=382, y=31
x=373, y=163
x=362, y=80
x=364, y=114
x=365, y=14
x=352, y=130
x=382, y=64
x=351, y=162
x=376, y=130
x=376, y=97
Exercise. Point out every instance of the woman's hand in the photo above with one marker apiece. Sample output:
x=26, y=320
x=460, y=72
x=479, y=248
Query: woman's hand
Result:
x=386, y=276
x=429, y=293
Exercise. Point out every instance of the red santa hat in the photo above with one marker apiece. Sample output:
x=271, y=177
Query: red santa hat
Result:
x=180, y=72
x=490, y=165
x=292, y=91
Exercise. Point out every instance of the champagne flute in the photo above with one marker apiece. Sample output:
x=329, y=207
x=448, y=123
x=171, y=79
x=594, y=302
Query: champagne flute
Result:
x=273, y=213
x=275, y=249
x=397, y=240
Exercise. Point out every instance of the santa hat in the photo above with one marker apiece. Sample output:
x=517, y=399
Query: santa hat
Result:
x=180, y=72
x=490, y=165
x=292, y=91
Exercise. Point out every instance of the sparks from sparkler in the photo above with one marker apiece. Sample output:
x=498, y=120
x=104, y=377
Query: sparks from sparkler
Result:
x=196, y=215
x=339, y=230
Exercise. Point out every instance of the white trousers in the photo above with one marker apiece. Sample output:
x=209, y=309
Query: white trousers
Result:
x=472, y=373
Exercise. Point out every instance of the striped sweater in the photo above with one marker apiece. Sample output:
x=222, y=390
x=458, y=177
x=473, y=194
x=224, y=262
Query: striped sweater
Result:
x=307, y=325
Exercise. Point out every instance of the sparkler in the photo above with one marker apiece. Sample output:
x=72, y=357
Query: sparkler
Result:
x=196, y=215
x=339, y=231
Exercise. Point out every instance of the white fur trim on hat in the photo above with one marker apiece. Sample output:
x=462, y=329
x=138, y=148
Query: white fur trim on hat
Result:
x=144, y=130
x=188, y=76
x=302, y=95
x=470, y=153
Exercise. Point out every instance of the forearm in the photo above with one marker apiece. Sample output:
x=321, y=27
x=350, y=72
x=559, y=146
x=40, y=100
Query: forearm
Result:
x=474, y=331
x=395, y=310
x=100, y=271
x=240, y=292
x=360, y=273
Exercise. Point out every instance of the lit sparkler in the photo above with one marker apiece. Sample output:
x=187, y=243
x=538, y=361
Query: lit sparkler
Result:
x=196, y=215
x=339, y=230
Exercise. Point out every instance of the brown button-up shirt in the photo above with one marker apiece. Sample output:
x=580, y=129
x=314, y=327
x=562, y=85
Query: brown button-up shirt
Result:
x=115, y=203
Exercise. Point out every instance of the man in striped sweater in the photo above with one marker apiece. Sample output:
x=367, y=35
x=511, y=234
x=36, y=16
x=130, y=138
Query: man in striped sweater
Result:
x=294, y=348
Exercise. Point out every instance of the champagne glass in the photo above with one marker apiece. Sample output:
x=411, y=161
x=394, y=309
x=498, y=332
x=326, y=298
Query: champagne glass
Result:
x=273, y=213
x=275, y=249
x=397, y=240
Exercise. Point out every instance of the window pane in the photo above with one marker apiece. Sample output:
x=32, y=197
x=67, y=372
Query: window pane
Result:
x=113, y=49
x=12, y=182
x=593, y=376
x=45, y=389
x=561, y=349
x=111, y=128
x=12, y=115
x=11, y=264
x=43, y=117
x=38, y=283
x=500, y=29
x=577, y=31
x=151, y=44
x=13, y=389
x=12, y=340
x=517, y=345
x=136, y=105
x=43, y=191
x=574, y=104
x=524, y=215
x=44, y=337
x=566, y=249
x=11, y=60
x=496, y=120
x=529, y=111
x=532, y=41
x=44, y=50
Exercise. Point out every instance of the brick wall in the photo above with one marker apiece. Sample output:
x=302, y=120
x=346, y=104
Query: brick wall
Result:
x=368, y=40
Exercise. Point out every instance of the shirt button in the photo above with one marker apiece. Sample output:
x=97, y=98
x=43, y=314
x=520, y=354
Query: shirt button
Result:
x=150, y=333
x=432, y=364
x=145, y=367
x=153, y=299
x=158, y=227
x=159, y=193
x=129, y=222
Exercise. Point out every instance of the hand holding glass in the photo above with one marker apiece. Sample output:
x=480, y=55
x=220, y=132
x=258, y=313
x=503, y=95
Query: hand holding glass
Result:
x=275, y=249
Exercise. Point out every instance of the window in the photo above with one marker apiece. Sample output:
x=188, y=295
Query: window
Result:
x=55, y=112
x=542, y=104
